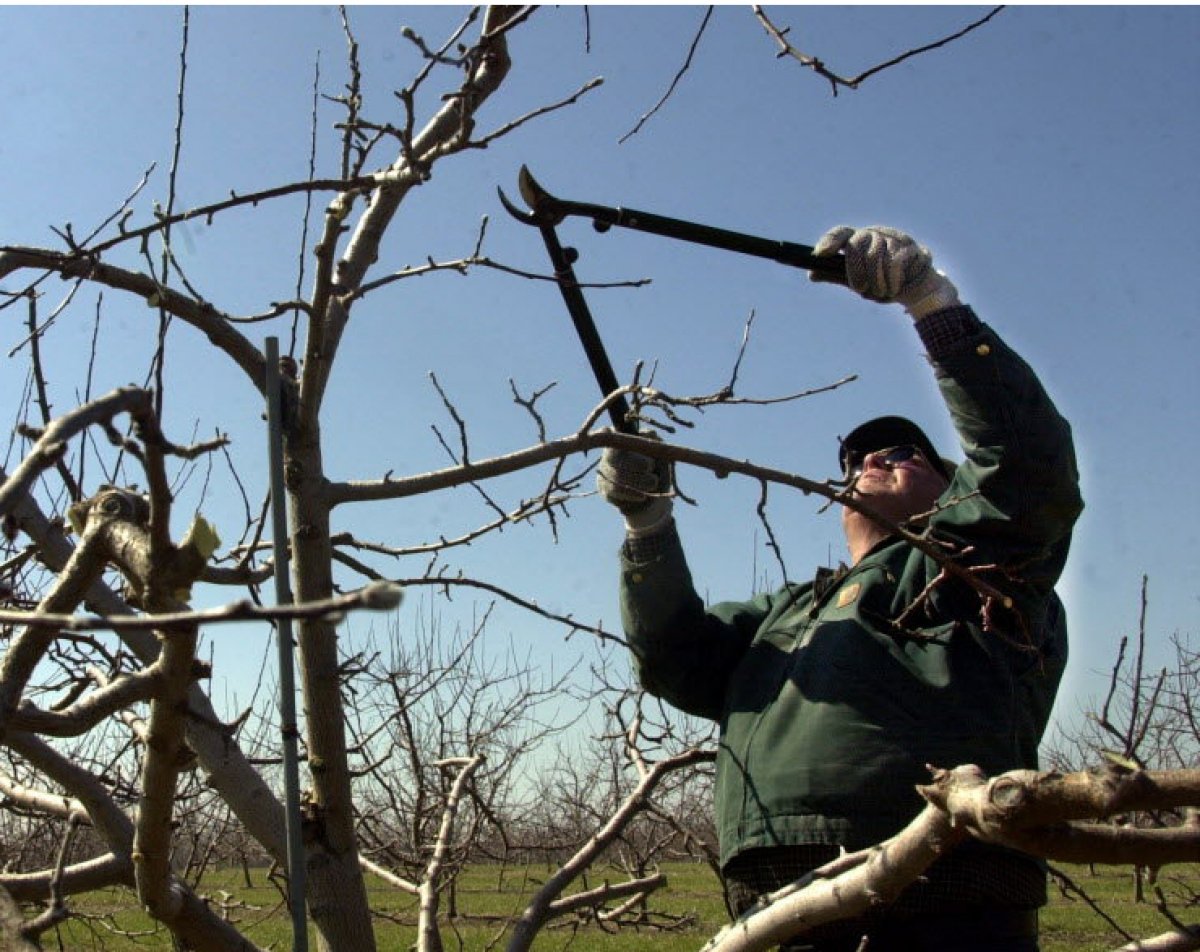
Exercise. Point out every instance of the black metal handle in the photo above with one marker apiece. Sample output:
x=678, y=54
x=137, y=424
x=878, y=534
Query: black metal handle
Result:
x=831, y=267
x=585, y=327
x=549, y=209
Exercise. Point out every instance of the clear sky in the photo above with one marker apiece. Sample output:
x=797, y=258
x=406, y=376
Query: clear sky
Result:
x=1048, y=159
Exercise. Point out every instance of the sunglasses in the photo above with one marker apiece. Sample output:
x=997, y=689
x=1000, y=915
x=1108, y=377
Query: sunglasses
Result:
x=890, y=457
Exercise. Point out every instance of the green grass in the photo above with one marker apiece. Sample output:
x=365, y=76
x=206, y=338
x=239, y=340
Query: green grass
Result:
x=1069, y=924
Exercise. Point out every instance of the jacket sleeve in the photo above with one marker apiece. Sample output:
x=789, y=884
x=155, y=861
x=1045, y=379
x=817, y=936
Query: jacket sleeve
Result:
x=682, y=652
x=1016, y=497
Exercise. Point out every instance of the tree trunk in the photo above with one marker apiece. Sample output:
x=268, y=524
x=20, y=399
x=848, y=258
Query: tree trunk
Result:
x=336, y=889
x=336, y=892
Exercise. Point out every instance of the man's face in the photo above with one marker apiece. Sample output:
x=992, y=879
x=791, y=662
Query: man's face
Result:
x=898, y=483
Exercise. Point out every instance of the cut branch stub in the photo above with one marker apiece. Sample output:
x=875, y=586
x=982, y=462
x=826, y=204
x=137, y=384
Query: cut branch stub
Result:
x=154, y=585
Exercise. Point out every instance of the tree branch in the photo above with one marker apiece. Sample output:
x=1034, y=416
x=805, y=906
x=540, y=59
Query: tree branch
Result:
x=202, y=316
x=376, y=596
x=817, y=66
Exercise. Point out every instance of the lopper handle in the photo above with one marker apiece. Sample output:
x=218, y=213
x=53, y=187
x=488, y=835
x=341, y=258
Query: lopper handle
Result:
x=549, y=209
x=585, y=327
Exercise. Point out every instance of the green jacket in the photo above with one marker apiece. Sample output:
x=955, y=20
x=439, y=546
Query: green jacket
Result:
x=829, y=711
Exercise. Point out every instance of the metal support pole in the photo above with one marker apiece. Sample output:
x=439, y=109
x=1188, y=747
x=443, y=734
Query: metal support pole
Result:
x=283, y=631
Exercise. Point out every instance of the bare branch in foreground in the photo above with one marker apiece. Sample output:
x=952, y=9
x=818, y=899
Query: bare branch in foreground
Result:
x=844, y=889
x=961, y=802
x=204, y=317
x=484, y=141
x=1184, y=940
x=375, y=596
x=1030, y=811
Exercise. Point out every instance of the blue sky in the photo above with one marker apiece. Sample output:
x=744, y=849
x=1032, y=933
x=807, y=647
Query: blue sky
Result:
x=1047, y=159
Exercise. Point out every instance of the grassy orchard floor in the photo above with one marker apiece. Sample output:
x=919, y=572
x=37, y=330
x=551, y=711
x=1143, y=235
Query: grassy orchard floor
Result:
x=1068, y=925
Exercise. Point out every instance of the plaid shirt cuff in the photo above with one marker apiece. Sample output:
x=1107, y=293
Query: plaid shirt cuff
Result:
x=640, y=549
x=947, y=331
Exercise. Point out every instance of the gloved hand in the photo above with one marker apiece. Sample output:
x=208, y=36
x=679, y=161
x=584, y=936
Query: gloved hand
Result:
x=638, y=485
x=884, y=264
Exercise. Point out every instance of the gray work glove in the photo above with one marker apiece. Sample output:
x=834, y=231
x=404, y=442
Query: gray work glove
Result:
x=639, y=486
x=884, y=264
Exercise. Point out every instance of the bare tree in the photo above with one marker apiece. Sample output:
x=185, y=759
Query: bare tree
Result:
x=444, y=736
x=1147, y=717
x=1146, y=721
x=624, y=801
x=345, y=251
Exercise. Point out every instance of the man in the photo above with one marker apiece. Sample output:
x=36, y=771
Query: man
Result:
x=833, y=696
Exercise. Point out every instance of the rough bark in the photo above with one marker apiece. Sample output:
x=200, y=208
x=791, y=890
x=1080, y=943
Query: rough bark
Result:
x=10, y=926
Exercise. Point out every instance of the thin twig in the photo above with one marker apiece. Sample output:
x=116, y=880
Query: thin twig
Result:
x=772, y=542
x=43, y=401
x=530, y=404
x=687, y=63
x=308, y=203
x=819, y=67
x=484, y=141
x=164, y=317
x=56, y=911
x=38, y=331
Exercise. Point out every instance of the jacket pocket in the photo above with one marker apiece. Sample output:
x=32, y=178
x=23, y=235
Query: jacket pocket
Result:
x=760, y=675
x=845, y=664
